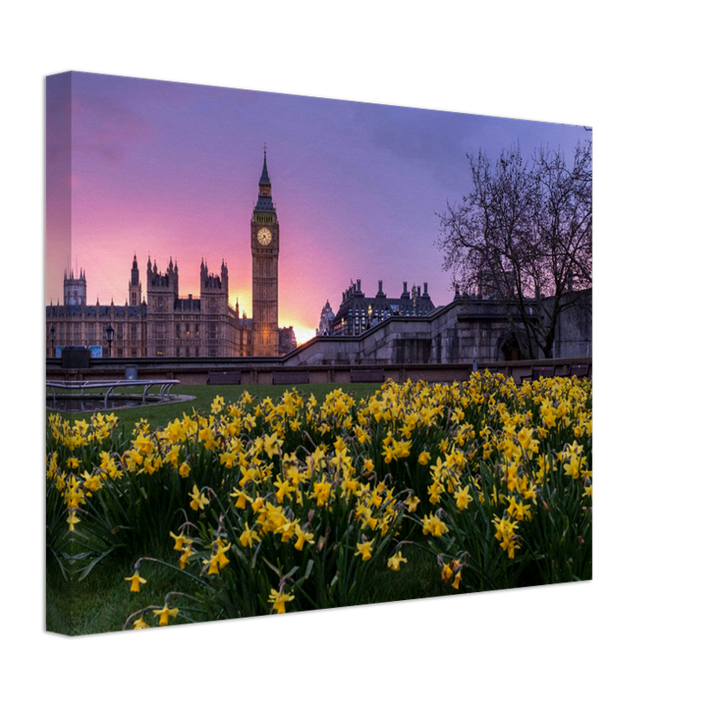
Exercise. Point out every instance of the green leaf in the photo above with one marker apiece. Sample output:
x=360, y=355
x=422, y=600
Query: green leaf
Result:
x=90, y=566
x=291, y=572
x=271, y=566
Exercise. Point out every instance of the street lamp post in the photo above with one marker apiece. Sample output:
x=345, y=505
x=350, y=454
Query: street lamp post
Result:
x=109, y=335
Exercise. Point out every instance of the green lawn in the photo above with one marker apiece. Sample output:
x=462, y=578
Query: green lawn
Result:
x=160, y=415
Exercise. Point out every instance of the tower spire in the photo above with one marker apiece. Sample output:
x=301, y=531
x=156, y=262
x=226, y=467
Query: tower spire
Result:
x=264, y=203
x=265, y=177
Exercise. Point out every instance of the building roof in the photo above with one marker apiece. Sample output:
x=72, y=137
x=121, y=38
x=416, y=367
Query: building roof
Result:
x=356, y=303
x=264, y=205
x=264, y=177
x=94, y=311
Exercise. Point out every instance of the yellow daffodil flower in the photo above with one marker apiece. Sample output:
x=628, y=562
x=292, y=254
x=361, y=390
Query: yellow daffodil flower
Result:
x=395, y=561
x=73, y=520
x=302, y=538
x=321, y=490
x=135, y=581
x=199, y=501
x=433, y=526
x=217, y=405
x=187, y=552
x=364, y=549
x=573, y=467
x=242, y=499
x=164, y=614
x=412, y=503
x=463, y=498
x=248, y=536
x=278, y=600
x=140, y=623
x=180, y=541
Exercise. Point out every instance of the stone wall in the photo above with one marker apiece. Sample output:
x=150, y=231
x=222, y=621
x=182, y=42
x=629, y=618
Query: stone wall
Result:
x=573, y=335
x=461, y=332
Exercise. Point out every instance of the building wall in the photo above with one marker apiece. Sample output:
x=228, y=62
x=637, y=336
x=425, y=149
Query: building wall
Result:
x=573, y=334
x=459, y=332
x=464, y=331
x=165, y=325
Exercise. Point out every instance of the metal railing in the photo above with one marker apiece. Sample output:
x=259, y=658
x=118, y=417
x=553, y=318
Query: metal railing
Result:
x=165, y=386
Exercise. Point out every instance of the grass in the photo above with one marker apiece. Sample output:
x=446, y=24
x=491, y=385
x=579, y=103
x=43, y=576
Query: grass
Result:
x=102, y=602
x=418, y=579
x=160, y=415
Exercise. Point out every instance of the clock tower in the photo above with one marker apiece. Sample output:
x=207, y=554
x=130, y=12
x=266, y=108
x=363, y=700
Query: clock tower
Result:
x=265, y=248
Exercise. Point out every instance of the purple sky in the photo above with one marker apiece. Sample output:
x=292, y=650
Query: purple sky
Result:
x=170, y=169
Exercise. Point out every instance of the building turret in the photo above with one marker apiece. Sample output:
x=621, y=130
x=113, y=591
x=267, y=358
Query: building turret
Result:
x=134, y=286
x=214, y=290
x=74, y=288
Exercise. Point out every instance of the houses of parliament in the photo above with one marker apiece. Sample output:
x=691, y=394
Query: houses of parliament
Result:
x=162, y=323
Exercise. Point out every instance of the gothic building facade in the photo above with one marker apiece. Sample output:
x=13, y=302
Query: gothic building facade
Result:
x=358, y=312
x=326, y=320
x=163, y=323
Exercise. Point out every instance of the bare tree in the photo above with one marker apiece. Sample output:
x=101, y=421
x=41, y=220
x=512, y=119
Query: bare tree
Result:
x=523, y=235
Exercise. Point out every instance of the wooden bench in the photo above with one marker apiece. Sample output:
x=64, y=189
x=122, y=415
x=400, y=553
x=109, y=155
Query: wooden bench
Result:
x=539, y=372
x=367, y=375
x=291, y=377
x=581, y=370
x=224, y=377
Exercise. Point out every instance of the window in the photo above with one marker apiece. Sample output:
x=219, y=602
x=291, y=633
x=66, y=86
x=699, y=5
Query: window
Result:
x=133, y=333
x=160, y=331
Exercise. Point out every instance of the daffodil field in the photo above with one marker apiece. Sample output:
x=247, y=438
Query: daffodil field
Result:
x=276, y=506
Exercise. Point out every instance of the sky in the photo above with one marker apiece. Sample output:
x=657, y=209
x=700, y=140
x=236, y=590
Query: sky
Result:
x=171, y=170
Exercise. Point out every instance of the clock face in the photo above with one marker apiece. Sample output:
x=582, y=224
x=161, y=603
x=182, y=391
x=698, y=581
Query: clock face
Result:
x=264, y=236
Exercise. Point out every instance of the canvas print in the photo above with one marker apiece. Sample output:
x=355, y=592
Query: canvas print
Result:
x=304, y=353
